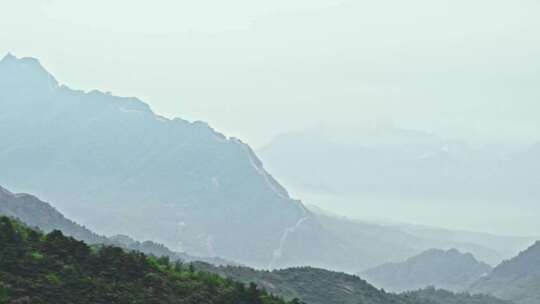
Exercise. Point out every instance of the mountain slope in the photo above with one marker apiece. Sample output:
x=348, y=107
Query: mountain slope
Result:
x=35, y=213
x=319, y=286
x=517, y=279
x=114, y=165
x=441, y=296
x=451, y=270
x=52, y=268
x=309, y=284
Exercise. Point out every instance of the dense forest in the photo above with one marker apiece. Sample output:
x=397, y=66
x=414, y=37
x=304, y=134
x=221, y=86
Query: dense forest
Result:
x=52, y=268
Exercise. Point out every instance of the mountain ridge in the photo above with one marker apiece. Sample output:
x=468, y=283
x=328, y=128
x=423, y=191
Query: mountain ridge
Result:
x=309, y=284
x=516, y=279
x=208, y=194
x=446, y=269
x=41, y=215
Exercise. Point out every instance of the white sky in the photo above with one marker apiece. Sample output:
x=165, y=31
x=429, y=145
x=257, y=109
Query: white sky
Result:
x=253, y=69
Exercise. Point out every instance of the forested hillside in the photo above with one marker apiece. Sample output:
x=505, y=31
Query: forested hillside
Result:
x=37, y=268
x=312, y=285
x=319, y=286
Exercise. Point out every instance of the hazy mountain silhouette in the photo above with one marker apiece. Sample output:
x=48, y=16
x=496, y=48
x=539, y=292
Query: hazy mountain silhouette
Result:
x=111, y=163
x=38, y=214
x=306, y=283
x=397, y=172
x=380, y=243
x=517, y=279
x=114, y=165
x=319, y=286
x=39, y=268
x=450, y=270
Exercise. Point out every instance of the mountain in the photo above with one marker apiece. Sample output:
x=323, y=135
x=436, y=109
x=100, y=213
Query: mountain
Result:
x=374, y=244
x=384, y=171
x=441, y=296
x=35, y=213
x=308, y=284
x=52, y=268
x=383, y=242
x=115, y=166
x=311, y=285
x=516, y=279
x=487, y=247
x=451, y=270
x=319, y=286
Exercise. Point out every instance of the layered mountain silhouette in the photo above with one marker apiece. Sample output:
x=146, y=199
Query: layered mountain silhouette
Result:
x=450, y=270
x=47, y=268
x=52, y=268
x=113, y=164
x=319, y=286
x=517, y=279
x=311, y=285
x=396, y=171
x=41, y=215
x=380, y=243
x=389, y=161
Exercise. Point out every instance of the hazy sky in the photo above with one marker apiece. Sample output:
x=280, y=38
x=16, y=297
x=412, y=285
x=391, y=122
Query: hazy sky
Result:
x=253, y=69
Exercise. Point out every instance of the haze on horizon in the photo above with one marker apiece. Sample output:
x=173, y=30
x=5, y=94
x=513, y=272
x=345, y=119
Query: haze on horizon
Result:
x=460, y=69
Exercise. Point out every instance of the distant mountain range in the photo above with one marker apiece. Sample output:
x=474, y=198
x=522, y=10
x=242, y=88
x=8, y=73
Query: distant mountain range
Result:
x=441, y=296
x=115, y=166
x=450, y=270
x=38, y=214
x=319, y=286
x=380, y=243
x=387, y=160
x=311, y=285
x=517, y=279
x=394, y=172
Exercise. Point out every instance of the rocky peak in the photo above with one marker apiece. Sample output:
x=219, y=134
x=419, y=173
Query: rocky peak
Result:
x=25, y=71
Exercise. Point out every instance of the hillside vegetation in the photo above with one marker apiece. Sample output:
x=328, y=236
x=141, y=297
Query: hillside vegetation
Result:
x=51, y=268
x=319, y=286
